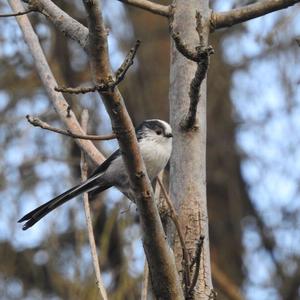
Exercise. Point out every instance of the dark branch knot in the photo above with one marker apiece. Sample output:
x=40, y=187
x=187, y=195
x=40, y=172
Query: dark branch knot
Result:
x=140, y=174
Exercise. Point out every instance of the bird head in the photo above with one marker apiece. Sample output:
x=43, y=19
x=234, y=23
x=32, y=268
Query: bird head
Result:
x=155, y=129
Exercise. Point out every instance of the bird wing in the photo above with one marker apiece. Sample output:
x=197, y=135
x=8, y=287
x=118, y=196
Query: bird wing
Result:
x=104, y=166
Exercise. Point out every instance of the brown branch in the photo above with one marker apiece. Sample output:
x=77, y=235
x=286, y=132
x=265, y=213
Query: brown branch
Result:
x=202, y=58
x=87, y=210
x=155, y=8
x=196, y=261
x=49, y=82
x=39, y=123
x=20, y=13
x=203, y=53
x=122, y=70
x=175, y=220
x=225, y=283
x=110, y=84
x=242, y=14
x=79, y=90
x=103, y=87
x=161, y=262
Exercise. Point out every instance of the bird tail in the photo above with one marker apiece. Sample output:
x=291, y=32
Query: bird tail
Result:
x=41, y=211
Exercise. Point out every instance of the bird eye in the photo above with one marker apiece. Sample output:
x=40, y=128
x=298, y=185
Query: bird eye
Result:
x=159, y=132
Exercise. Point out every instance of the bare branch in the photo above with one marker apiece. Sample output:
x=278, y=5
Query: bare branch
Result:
x=84, y=171
x=155, y=8
x=201, y=56
x=121, y=72
x=39, y=123
x=110, y=84
x=48, y=80
x=21, y=13
x=242, y=14
x=161, y=262
x=80, y=90
x=203, y=53
x=175, y=219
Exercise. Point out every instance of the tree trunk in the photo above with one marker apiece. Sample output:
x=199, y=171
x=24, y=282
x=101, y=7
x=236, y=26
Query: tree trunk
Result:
x=188, y=161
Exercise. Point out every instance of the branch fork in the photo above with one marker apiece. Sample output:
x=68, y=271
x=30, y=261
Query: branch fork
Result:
x=201, y=56
x=109, y=84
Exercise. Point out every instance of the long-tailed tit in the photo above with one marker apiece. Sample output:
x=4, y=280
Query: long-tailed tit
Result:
x=155, y=142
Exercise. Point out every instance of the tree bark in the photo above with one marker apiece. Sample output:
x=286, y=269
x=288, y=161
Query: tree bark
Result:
x=188, y=161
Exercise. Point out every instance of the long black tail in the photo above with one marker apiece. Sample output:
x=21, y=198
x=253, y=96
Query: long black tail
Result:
x=87, y=186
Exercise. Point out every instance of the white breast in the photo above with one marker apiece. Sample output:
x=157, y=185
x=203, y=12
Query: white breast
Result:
x=155, y=155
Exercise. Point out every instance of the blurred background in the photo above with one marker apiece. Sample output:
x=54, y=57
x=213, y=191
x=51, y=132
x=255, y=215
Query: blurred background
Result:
x=253, y=156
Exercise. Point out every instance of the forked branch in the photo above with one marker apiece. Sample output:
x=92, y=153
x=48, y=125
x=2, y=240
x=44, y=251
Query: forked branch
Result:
x=201, y=56
x=39, y=123
x=110, y=83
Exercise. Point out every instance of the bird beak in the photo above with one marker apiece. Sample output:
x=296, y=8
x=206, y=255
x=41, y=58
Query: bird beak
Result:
x=169, y=135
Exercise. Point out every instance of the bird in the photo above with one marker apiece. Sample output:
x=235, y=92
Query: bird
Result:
x=155, y=142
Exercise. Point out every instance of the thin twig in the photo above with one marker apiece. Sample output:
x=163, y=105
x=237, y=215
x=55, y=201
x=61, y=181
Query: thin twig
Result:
x=160, y=201
x=122, y=70
x=80, y=90
x=203, y=54
x=155, y=8
x=196, y=261
x=39, y=123
x=20, y=13
x=84, y=171
x=202, y=58
x=175, y=219
x=110, y=84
